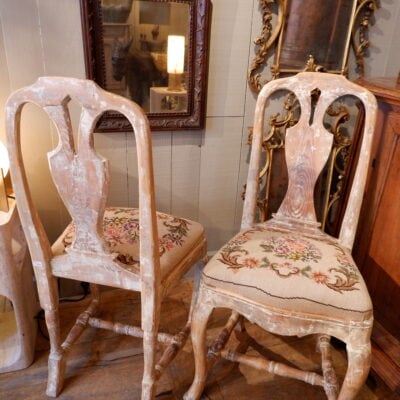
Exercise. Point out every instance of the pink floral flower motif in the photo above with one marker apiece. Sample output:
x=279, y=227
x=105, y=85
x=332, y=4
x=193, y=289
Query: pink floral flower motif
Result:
x=112, y=234
x=130, y=225
x=320, y=277
x=292, y=248
x=297, y=245
x=251, y=262
x=166, y=245
x=284, y=269
x=281, y=249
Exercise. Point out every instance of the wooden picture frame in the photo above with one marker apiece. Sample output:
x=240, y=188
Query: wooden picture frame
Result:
x=197, y=47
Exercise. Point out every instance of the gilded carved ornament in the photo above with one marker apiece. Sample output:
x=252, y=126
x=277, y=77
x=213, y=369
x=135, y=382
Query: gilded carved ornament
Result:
x=274, y=26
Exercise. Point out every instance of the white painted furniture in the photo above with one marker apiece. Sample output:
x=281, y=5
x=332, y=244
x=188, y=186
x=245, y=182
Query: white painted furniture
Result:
x=285, y=274
x=135, y=249
x=18, y=299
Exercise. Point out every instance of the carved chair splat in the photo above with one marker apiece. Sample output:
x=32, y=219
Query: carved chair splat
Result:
x=286, y=275
x=135, y=249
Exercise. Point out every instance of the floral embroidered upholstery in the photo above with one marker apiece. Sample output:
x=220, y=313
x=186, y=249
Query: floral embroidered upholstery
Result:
x=121, y=232
x=272, y=266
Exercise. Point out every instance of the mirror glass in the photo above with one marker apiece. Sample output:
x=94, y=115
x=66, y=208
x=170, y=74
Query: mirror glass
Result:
x=310, y=35
x=326, y=37
x=154, y=52
x=145, y=52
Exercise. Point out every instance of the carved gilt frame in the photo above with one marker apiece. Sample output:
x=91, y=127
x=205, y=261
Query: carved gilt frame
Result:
x=274, y=29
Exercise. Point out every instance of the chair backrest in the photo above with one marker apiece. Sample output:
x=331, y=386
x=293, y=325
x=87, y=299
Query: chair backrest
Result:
x=81, y=175
x=308, y=146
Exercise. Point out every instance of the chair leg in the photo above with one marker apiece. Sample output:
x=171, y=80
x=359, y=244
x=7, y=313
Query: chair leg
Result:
x=331, y=385
x=56, y=363
x=359, y=363
x=150, y=322
x=201, y=314
x=48, y=295
x=196, y=284
x=242, y=336
x=149, y=352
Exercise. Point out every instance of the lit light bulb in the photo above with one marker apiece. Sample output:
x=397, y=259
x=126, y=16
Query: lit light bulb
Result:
x=176, y=54
x=175, y=62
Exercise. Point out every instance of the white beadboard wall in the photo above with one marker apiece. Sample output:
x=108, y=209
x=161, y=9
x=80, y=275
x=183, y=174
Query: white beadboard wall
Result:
x=198, y=174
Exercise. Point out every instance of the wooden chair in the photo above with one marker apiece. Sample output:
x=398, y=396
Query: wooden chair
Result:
x=286, y=275
x=19, y=305
x=133, y=249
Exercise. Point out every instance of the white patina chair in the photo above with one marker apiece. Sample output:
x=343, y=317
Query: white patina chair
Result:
x=286, y=275
x=133, y=249
x=17, y=321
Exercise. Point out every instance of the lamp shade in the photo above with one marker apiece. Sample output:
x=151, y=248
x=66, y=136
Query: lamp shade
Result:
x=4, y=161
x=176, y=54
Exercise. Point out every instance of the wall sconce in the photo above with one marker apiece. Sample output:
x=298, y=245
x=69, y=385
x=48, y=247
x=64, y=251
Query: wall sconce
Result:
x=175, y=62
x=4, y=167
x=155, y=14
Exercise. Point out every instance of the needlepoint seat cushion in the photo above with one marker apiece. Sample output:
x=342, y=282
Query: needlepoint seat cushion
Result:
x=284, y=270
x=121, y=232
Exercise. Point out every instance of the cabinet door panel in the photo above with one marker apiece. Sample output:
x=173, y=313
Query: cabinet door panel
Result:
x=385, y=240
x=377, y=247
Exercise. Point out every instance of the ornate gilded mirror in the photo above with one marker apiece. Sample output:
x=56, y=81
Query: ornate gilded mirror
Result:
x=154, y=52
x=310, y=35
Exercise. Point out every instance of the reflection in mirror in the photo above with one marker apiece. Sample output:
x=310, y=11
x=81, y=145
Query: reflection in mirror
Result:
x=153, y=52
x=144, y=51
x=326, y=38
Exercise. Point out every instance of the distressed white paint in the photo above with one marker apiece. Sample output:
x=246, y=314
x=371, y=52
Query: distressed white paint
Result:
x=82, y=179
x=28, y=51
x=296, y=215
x=17, y=324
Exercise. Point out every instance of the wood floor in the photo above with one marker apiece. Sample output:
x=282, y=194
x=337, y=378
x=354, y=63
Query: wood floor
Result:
x=105, y=366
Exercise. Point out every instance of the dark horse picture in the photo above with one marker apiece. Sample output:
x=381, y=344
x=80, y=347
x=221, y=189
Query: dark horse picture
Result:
x=138, y=68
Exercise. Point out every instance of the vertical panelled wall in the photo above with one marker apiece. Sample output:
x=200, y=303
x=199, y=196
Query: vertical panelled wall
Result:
x=198, y=174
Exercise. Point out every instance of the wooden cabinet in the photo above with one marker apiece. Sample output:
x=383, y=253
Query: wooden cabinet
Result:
x=377, y=246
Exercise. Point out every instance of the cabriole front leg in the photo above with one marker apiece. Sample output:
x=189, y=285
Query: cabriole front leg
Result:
x=201, y=313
